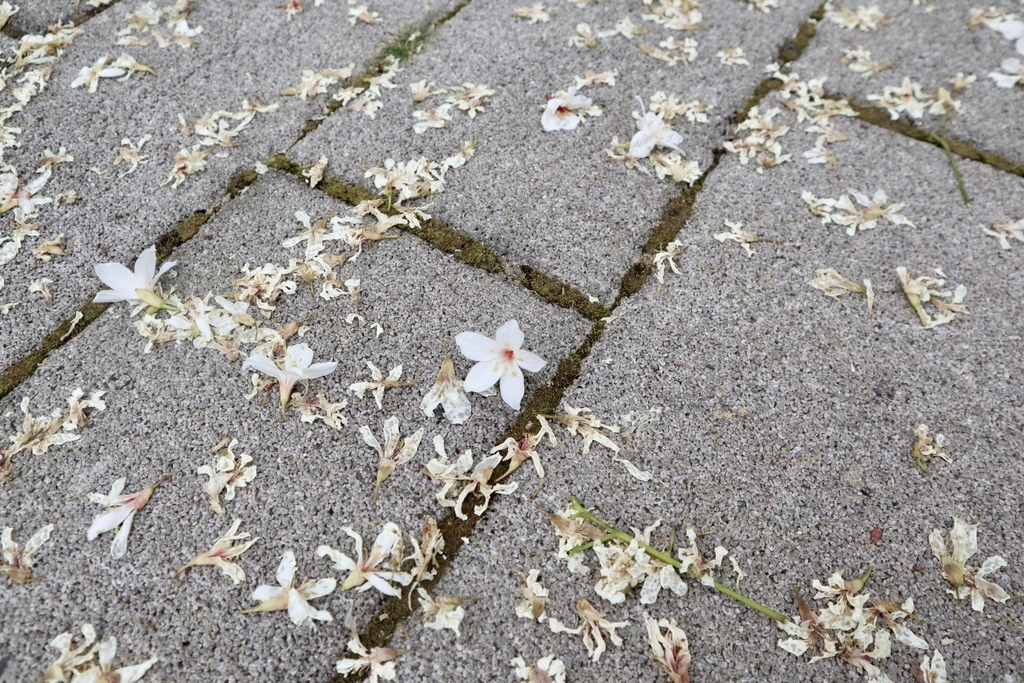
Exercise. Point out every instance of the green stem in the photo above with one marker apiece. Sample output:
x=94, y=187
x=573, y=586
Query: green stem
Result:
x=615, y=532
x=590, y=544
x=952, y=161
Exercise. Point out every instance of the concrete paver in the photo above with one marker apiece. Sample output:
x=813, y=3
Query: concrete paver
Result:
x=908, y=41
x=239, y=56
x=555, y=201
x=785, y=434
x=167, y=408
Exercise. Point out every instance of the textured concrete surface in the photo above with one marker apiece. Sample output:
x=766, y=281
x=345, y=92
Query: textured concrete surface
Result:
x=555, y=201
x=116, y=217
x=786, y=417
x=168, y=408
x=822, y=457
x=907, y=41
x=35, y=16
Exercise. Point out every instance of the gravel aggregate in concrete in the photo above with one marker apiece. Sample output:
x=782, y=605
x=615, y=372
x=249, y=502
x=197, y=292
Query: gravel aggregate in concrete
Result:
x=785, y=434
x=239, y=56
x=555, y=201
x=168, y=408
x=909, y=41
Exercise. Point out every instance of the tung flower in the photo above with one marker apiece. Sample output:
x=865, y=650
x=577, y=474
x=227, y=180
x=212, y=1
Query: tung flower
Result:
x=222, y=552
x=964, y=541
x=653, y=132
x=363, y=571
x=449, y=392
x=298, y=365
x=295, y=600
x=123, y=509
x=16, y=562
x=135, y=288
x=671, y=649
x=499, y=359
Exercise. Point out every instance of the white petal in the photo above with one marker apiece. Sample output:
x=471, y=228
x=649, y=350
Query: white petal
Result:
x=257, y=361
x=1011, y=30
x=476, y=347
x=529, y=361
x=298, y=357
x=510, y=334
x=286, y=570
x=482, y=376
x=131, y=674
x=512, y=388
x=119, y=546
x=319, y=370
x=319, y=588
x=264, y=593
x=118, y=278
x=108, y=521
x=145, y=266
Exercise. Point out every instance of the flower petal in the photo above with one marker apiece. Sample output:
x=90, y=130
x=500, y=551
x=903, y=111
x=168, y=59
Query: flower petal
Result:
x=482, y=376
x=530, y=361
x=319, y=370
x=286, y=570
x=512, y=388
x=257, y=361
x=510, y=334
x=119, y=546
x=118, y=278
x=108, y=521
x=145, y=266
x=298, y=357
x=476, y=346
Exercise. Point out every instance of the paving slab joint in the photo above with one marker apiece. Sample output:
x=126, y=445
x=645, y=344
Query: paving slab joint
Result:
x=966, y=150
x=446, y=239
x=545, y=400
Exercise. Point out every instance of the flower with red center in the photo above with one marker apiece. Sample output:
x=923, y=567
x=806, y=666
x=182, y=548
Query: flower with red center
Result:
x=499, y=359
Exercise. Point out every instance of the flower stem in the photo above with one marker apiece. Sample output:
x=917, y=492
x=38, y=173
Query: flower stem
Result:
x=616, y=533
x=941, y=137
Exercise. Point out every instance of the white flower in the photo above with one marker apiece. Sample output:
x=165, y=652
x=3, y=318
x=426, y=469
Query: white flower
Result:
x=653, y=132
x=932, y=670
x=450, y=392
x=1014, y=73
x=535, y=597
x=295, y=600
x=501, y=358
x=593, y=627
x=394, y=452
x=546, y=670
x=565, y=110
x=132, y=287
x=671, y=649
x=379, y=384
x=226, y=474
x=380, y=661
x=122, y=513
x=91, y=75
x=102, y=672
x=1011, y=29
x=964, y=541
x=297, y=366
x=222, y=552
x=445, y=612
x=363, y=572
x=16, y=562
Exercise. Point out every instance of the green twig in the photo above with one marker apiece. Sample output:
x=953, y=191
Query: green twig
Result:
x=615, y=532
x=944, y=143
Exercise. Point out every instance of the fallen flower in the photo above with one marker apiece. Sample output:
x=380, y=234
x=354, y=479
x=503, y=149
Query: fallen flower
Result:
x=535, y=597
x=499, y=359
x=394, y=452
x=222, y=553
x=425, y=552
x=593, y=627
x=380, y=661
x=739, y=235
x=363, y=573
x=297, y=366
x=456, y=474
x=122, y=513
x=226, y=474
x=931, y=670
x=831, y=283
x=653, y=132
x=927, y=447
x=546, y=670
x=566, y=109
x=286, y=597
x=134, y=287
x=379, y=384
x=445, y=612
x=964, y=541
x=924, y=289
x=37, y=434
x=671, y=650
x=1003, y=232
x=449, y=392
x=17, y=562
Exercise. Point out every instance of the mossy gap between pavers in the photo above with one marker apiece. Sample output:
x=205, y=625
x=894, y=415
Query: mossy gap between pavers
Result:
x=473, y=253
x=401, y=46
x=22, y=369
x=13, y=31
x=879, y=117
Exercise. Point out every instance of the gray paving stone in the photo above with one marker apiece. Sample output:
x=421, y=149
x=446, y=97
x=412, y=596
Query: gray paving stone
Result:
x=166, y=409
x=240, y=56
x=929, y=43
x=555, y=201
x=35, y=16
x=795, y=488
